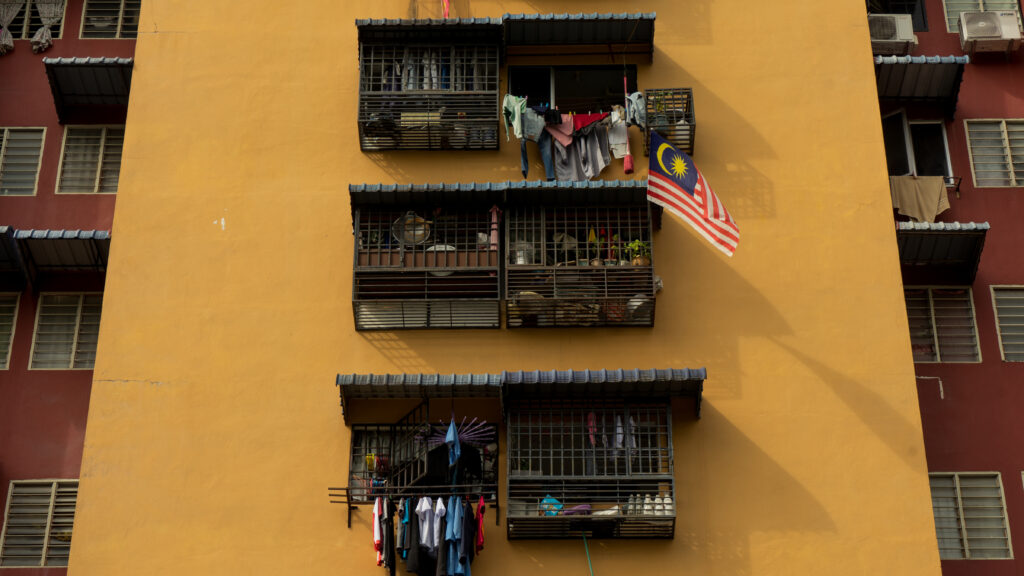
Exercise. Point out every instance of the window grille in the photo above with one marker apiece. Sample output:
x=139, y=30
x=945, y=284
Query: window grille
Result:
x=91, y=162
x=426, y=268
x=1009, y=306
x=38, y=523
x=8, y=316
x=579, y=266
x=970, y=516
x=428, y=97
x=403, y=455
x=997, y=152
x=111, y=18
x=67, y=329
x=28, y=21
x=602, y=468
x=670, y=114
x=955, y=7
x=942, y=327
x=21, y=150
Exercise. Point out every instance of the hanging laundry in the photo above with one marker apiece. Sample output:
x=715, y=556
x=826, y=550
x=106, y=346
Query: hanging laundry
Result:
x=412, y=557
x=636, y=110
x=512, y=108
x=439, y=522
x=378, y=543
x=425, y=513
x=544, y=147
x=581, y=121
x=618, y=134
x=592, y=144
x=467, y=543
x=567, y=162
x=533, y=124
x=562, y=132
x=480, y=507
x=453, y=534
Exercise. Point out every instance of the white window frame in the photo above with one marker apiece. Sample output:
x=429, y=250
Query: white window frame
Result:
x=995, y=313
x=99, y=162
x=28, y=14
x=78, y=320
x=931, y=316
x=908, y=141
x=960, y=510
x=120, y=24
x=39, y=166
x=14, y=328
x=1006, y=148
x=49, y=519
x=981, y=8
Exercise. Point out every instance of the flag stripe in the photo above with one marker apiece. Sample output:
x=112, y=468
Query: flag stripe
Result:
x=695, y=213
x=687, y=213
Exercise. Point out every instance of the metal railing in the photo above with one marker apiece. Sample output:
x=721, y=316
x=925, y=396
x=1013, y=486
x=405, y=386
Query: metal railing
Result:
x=670, y=114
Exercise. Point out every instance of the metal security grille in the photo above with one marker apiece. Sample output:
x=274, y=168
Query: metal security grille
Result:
x=111, y=19
x=8, y=314
x=1009, y=305
x=942, y=327
x=40, y=516
x=579, y=266
x=426, y=269
x=20, y=152
x=955, y=7
x=67, y=330
x=670, y=114
x=428, y=97
x=970, y=516
x=997, y=152
x=28, y=21
x=91, y=162
x=601, y=468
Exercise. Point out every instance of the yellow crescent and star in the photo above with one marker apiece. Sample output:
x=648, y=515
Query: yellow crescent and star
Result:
x=678, y=168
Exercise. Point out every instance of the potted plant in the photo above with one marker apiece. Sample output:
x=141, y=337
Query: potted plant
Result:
x=639, y=252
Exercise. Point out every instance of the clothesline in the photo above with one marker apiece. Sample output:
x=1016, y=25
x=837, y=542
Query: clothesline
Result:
x=489, y=492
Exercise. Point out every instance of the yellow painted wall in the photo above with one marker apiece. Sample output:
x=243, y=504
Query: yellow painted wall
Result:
x=214, y=428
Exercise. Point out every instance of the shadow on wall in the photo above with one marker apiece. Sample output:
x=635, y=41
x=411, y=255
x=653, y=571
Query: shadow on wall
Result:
x=681, y=337
x=723, y=497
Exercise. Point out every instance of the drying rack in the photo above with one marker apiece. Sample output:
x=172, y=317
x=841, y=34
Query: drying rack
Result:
x=343, y=495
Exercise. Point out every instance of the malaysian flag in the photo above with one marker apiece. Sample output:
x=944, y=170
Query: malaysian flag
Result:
x=674, y=183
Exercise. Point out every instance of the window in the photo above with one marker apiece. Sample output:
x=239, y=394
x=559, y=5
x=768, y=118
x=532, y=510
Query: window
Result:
x=579, y=266
x=912, y=7
x=572, y=88
x=67, y=328
x=8, y=316
x=428, y=97
x=28, y=21
x=38, y=523
x=970, y=516
x=942, y=325
x=997, y=152
x=607, y=462
x=111, y=19
x=91, y=160
x=955, y=7
x=411, y=452
x=915, y=147
x=21, y=150
x=1008, y=302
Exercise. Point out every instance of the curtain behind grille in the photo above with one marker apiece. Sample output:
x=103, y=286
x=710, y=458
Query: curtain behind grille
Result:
x=50, y=12
x=8, y=11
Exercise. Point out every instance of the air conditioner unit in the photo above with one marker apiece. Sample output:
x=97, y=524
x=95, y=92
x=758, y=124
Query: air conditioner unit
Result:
x=995, y=31
x=892, y=33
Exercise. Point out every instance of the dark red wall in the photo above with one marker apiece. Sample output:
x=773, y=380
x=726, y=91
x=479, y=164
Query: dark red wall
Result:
x=26, y=100
x=43, y=412
x=979, y=424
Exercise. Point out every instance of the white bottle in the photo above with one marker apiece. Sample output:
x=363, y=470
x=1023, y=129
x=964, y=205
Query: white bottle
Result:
x=659, y=507
x=630, y=504
x=669, y=508
x=648, y=505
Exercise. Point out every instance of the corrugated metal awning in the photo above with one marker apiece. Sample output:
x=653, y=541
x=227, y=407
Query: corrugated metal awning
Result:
x=559, y=191
x=925, y=79
x=618, y=34
x=439, y=30
x=518, y=385
x=12, y=269
x=940, y=252
x=83, y=86
x=50, y=251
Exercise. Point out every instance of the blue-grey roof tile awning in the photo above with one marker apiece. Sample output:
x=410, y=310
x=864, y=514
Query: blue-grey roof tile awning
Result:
x=619, y=34
x=921, y=79
x=520, y=385
x=534, y=191
x=61, y=251
x=90, y=89
x=940, y=252
x=399, y=386
x=430, y=30
x=12, y=269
